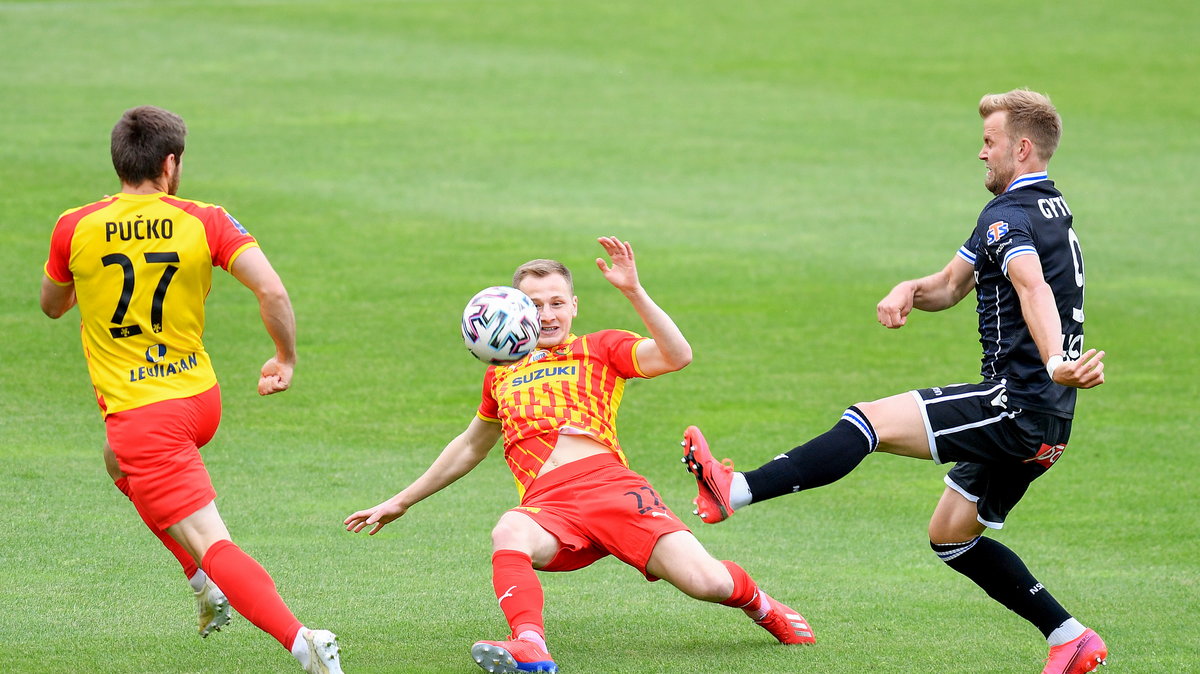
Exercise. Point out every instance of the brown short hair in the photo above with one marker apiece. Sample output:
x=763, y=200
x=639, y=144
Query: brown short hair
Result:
x=542, y=268
x=142, y=139
x=1030, y=115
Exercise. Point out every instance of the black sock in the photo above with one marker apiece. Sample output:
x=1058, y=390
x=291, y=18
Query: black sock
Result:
x=824, y=459
x=1002, y=574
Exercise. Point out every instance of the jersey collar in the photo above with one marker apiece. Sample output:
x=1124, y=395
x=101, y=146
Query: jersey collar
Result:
x=1027, y=179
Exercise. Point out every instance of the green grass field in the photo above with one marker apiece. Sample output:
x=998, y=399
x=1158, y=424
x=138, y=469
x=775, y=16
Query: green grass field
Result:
x=778, y=167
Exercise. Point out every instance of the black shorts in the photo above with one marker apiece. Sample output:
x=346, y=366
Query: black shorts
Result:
x=998, y=449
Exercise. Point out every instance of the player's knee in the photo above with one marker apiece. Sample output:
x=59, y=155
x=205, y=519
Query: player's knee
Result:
x=948, y=552
x=505, y=535
x=517, y=532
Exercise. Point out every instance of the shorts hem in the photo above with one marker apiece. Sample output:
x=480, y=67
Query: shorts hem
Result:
x=973, y=499
x=933, y=452
x=183, y=512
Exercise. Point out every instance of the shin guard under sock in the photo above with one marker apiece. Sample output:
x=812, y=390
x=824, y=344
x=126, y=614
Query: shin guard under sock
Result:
x=185, y=560
x=745, y=593
x=250, y=591
x=1005, y=578
x=818, y=462
x=519, y=591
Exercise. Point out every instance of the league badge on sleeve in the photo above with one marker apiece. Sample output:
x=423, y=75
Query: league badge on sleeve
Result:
x=996, y=231
x=237, y=225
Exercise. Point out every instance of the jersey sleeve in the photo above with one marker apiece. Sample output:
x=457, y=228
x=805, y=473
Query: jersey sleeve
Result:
x=619, y=349
x=1008, y=239
x=489, y=408
x=227, y=239
x=58, y=264
x=969, y=251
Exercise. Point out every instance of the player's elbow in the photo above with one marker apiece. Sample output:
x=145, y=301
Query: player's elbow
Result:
x=56, y=307
x=680, y=359
x=272, y=293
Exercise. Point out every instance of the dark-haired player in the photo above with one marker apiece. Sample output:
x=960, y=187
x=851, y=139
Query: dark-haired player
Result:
x=557, y=411
x=1025, y=264
x=139, y=264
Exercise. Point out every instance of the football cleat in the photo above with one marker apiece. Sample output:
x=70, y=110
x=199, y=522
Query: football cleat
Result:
x=212, y=609
x=512, y=657
x=786, y=625
x=324, y=656
x=1080, y=655
x=712, y=477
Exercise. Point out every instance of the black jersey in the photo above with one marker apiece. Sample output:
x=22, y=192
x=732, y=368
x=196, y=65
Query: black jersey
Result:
x=1031, y=218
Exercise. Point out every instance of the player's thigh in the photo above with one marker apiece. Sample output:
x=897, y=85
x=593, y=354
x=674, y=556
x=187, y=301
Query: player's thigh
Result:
x=898, y=425
x=157, y=448
x=955, y=519
x=681, y=560
x=200, y=530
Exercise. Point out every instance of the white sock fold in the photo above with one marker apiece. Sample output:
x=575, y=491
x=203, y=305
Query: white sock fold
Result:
x=198, y=580
x=739, y=492
x=534, y=637
x=300, y=648
x=1068, y=631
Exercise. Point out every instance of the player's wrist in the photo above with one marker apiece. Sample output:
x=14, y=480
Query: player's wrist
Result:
x=1053, y=364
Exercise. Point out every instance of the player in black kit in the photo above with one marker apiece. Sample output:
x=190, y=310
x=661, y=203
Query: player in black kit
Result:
x=1025, y=264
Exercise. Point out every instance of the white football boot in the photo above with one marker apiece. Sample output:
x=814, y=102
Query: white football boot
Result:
x=212, y=608
x=322, y=656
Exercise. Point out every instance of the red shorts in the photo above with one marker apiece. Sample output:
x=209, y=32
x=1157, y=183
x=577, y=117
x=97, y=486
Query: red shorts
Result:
x=597, y=507
x=158, y=448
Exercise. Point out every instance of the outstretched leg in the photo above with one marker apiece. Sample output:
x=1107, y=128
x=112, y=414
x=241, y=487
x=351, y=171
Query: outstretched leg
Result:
x=892, y=425
x=681, y=560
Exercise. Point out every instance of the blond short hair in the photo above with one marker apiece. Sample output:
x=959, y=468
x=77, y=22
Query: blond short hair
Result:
x=542, y=268
x=1030, y=115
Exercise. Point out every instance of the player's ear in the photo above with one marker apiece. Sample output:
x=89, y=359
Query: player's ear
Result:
x=1025, y=149
x=574, y=305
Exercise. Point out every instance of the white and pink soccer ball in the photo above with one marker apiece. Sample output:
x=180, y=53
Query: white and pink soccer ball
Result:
x=500, y=325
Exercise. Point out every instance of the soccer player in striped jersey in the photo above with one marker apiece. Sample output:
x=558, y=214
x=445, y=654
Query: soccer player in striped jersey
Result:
x=1024, y=261
x=556, y=410
x=139, y=265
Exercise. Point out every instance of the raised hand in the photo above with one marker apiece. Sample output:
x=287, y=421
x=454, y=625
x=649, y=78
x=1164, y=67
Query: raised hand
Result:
x=623, y=271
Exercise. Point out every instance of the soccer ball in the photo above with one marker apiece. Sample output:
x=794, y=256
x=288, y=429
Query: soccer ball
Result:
x=500, y=325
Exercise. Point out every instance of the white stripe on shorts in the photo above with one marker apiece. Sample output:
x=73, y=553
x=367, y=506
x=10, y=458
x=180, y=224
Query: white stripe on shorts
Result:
x=973, y=499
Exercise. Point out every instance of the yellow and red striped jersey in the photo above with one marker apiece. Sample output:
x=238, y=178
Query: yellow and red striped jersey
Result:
x=142, y=268
x=575, y=387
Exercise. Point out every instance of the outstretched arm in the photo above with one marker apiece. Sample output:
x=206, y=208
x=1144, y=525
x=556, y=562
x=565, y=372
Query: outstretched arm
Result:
x=667, y=350
x=931, y=293
x=457, y=459
x=256, y=273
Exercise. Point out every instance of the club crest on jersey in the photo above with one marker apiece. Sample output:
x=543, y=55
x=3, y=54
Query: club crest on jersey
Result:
x=156, y=353
x=996, y=231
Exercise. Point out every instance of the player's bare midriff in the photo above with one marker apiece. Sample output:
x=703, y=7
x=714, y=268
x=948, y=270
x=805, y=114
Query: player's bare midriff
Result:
x=572, y=448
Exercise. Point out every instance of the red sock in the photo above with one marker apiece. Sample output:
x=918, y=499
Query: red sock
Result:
x=745, y=592
x=519, y=591
x=185, y=560
x=250, y=591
